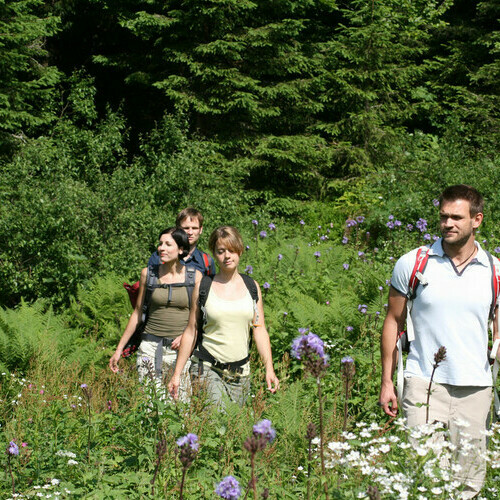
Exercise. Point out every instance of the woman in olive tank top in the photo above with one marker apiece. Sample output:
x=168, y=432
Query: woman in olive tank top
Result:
x=220, y=360
x=168, y=310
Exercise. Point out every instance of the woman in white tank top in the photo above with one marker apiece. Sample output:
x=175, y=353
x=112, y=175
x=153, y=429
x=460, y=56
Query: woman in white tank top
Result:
x=221, y=361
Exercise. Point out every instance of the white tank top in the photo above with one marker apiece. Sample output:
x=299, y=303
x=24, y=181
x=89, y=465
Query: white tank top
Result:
x=227, y=332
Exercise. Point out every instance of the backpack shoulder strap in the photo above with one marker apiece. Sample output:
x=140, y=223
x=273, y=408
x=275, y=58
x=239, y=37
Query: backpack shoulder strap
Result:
x=205, y=284
x=252, y=287
x=190, y=281
x=495, y=285
x=206, y=261
x=418, y=270
x=151, y=283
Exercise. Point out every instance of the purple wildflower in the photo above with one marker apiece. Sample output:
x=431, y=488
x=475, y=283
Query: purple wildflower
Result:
x=12, y=448
x=360, y=219
x=391, y=217
x=349, y=328
x=272, y=227
x=247, y=247
x=264, y=429
x=421, y=225
x=255, y=222
x=266, y=286
x=345, y=265
x=188, y=441
x=249, y=269
x=390, y=224
x=435, y=238
x=397, y=223
x=427, y=236
x=84, y=386
x=350, y=222
x=285, y=314
x=361, y=254
x=497, y=250
x=308, y=344
x=409, y=227
x=435, y=202
x=317, y=254
x=302, y=223
x=347, y=369
x=380, y=288
x=228, y=488
x=263, y=234
x=280, y=257
x=323, y=237
x=345, y=239
x=362, y=308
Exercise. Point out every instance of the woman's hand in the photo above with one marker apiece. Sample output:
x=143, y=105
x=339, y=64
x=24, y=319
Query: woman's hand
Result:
x=173, y=386
x=273, y=384
x=113, y=361
x=176, y=343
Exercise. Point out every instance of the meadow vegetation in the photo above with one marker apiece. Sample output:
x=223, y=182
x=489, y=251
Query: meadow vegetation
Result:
x=325, y=131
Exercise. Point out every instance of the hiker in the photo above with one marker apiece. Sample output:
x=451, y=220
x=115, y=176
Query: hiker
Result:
x=167, y=311
x=231, y=304
x=191, y=220
x=453, y=304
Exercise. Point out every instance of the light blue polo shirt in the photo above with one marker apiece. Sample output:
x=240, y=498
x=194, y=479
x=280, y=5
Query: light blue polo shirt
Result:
x=452, y=311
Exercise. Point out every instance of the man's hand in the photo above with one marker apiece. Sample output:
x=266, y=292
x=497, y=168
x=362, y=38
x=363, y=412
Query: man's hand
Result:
x=388, y=400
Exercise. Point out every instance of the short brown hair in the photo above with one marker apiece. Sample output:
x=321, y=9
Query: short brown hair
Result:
x=230, y=236
x=191, y=212
x=464, y=192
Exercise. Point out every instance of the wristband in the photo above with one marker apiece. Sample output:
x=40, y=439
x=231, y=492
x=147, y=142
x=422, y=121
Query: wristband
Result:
x=494, y=350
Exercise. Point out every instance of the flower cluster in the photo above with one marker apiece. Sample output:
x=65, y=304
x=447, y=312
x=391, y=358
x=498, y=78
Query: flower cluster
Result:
x=360, y=453
x=264, y=429
x=347, y=368
x=12, y=449
x=187, y=447
x=393, y=223
x=310, y=349
x=421, y=225
x=228, y=488
x=263, y=433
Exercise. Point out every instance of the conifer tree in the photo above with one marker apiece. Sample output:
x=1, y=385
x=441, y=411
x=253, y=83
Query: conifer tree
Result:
x=27, y=81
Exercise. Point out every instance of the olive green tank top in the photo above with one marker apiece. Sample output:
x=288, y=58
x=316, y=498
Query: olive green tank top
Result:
x=168, y=319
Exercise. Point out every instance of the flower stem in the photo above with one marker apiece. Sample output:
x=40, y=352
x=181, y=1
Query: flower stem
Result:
x=346, y=404
x=11, y=475
x=321, y=436
x=184, y=470
x=253, y=480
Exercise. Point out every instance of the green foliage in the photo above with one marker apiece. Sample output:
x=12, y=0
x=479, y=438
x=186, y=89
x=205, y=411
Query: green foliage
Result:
x=35, y=335
x=27, y=82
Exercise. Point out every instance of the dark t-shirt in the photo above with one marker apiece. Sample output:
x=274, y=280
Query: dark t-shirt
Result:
x=195, y=260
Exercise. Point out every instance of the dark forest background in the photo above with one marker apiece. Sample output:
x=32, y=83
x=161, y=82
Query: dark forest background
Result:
x=116, y=114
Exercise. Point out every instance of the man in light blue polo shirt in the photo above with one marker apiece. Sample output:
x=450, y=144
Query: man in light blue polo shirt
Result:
x=451, y=309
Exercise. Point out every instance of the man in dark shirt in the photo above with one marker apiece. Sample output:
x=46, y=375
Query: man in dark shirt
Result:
x=191, y=220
